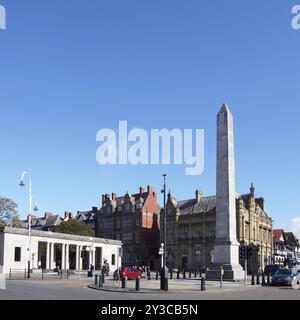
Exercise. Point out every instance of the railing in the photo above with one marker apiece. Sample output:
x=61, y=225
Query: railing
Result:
x=40, y=274
x=17, y=274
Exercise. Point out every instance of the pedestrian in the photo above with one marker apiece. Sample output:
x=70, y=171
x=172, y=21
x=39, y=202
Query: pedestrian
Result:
x=92, y=270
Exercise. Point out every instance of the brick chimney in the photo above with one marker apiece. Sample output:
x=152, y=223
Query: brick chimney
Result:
x=113, y=196
x=149, y=189
x=142, y=190
x=68, y=215
x=32, y=217
x=199, y=196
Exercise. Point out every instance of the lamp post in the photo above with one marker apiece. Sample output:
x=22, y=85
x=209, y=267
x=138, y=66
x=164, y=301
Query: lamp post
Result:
x=161, y=253
x=22, y=184
x=164, y=271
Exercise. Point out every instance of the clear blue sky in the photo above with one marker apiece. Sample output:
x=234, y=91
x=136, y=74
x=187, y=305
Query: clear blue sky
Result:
x=69, y=68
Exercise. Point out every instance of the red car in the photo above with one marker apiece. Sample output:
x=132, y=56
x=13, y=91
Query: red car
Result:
x=130, y=273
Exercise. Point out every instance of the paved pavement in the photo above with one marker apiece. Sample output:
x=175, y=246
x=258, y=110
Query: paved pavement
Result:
x=179, y=290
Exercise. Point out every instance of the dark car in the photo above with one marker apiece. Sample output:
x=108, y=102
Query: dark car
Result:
x=271, y=269
x=284, y=277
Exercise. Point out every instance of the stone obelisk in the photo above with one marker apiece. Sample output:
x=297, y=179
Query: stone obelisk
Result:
x=226, y=249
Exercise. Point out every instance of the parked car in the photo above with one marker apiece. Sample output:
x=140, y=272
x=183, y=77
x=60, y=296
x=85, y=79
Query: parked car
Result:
x=285, y=277
x=130, y=273
x=271, y=269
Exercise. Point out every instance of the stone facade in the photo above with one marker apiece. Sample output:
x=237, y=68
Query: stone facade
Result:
x=133, y=219
x=191, y=230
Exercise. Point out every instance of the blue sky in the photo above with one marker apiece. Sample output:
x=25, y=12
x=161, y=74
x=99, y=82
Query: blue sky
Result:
x=69, y=68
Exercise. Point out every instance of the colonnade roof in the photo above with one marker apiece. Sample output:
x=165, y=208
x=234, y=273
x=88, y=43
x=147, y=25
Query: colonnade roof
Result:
x=59, y=236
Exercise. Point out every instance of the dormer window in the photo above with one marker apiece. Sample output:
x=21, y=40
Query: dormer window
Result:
x=139, y=205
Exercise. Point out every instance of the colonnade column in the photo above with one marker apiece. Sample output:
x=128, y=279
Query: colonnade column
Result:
x=63, y=257
x=67, y=256
x=53, y=258
x=77, y=257
x=80, y=258
x=48, y=256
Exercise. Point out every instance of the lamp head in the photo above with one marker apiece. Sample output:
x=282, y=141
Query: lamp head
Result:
x=22, y=184
x=36, y=209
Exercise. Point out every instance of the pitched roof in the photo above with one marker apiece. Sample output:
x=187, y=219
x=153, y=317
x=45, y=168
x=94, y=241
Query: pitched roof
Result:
x=277, y=234
x=136, y=197
x=190, y=206
x=86, y=215
x=290, y=239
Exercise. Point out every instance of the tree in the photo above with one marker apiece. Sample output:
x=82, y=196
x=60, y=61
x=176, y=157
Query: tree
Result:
x=16, y=223
x=8, y=211
x=74, y=227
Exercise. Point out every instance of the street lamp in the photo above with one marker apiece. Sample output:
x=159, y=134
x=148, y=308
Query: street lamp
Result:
x=22, y=184
x=161, y=253
x=164, y=270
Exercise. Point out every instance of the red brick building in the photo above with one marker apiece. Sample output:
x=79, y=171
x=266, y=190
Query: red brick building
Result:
x=133, y=219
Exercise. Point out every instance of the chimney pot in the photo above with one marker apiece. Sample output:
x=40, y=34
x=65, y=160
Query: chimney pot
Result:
x=68, y=215
x=149, y=189
x=199, y=196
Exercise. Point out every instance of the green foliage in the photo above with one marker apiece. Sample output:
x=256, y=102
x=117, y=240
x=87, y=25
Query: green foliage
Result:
x=74, y=227
x=8, y=211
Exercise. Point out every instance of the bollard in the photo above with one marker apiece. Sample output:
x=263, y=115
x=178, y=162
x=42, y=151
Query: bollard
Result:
x=195, y=275
x=257, y=279
x=171, y=274
x=100, y=281
x=190, y=275
x=263, y=280
x=137, y=284
x=149, y=276
x=61, y=274
x=96, y=280
x=124, y=282
x=184, y=274
x=252, y=280
x=157, y=275
x=268, y=280
x=166, y=284
x=103, y=278
x=203, y=284
x=178, y=274
x=9, y=274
